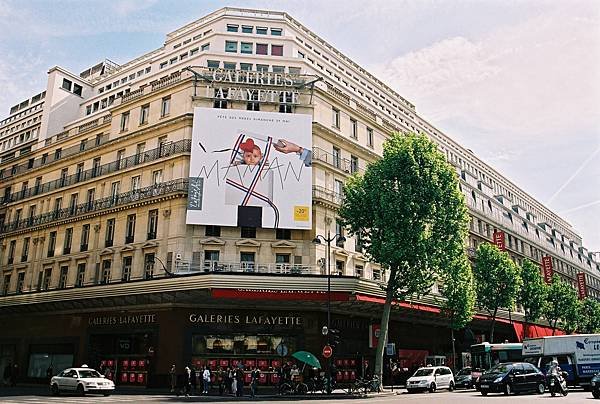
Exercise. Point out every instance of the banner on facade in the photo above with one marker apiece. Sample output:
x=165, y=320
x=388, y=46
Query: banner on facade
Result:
x=581, y=285
x=374, y=330
x=499, y=240
x=250, y=168
x=547, y=267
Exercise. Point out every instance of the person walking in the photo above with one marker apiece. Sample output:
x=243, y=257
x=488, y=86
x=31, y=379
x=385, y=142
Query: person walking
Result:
x=6, y=374
x=232, y=373
x=254, y=376
x=239, y=376
x=187, y=381
x=194, y=379
x=206, y=380
x=173, y=378
x=14, y=375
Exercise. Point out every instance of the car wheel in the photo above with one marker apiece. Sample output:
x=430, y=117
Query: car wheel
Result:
x=106, y=394
x=596, y=394
x=541, y=388
x=432, y=388
x=451, y=386
x=507, y=390
x=484, y=393
x=80, y=390
x=54, y=390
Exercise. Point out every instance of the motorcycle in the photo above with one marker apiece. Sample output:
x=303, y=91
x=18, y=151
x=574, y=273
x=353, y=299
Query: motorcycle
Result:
x=558, y=384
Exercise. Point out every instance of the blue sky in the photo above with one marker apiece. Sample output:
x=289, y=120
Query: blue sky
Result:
x=517, y=82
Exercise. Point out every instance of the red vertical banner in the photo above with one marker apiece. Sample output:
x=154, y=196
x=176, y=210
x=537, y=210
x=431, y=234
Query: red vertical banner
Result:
x=581, y=286
x=374, y=330
x=499, y=240
x=547, y=267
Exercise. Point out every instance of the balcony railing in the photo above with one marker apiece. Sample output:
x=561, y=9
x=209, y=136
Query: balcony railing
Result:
x=178, y=185
x=248, y=267
x=181, y=146
x=335, y=161
x=328, y=195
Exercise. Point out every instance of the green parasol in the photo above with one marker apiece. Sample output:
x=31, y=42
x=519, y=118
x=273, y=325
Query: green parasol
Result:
x=307, y=358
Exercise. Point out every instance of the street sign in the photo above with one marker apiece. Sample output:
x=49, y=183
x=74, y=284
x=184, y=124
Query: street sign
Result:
x=281, y=350
x=327, y=351
x=390, y=349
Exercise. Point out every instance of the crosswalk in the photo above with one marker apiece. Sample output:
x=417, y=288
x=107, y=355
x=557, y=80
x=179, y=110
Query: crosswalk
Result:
x=96, y=399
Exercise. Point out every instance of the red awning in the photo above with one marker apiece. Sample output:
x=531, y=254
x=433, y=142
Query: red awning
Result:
x=533, y=331
x=381, y=300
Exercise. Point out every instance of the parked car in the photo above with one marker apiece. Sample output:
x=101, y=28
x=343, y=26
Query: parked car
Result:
x=431, y=378
x=595, y=385
x=81, y=381
x=464, y=378
x=513, y=377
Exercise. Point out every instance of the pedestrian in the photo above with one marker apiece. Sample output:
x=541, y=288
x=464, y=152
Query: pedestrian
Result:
x=14, y=375
x=6, y=374
x=173, y=378
x=233, y=382
x=239, y=376
x=49, y=373
x=219, y=379
x=194, y=379
x=280, y=378
x=206, y=380
x=254, y=376
x=187, y=381
x=228, y=379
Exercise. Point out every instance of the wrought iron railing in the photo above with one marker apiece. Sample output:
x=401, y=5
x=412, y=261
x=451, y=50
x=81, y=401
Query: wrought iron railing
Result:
x=327, y=194
x=247, y=267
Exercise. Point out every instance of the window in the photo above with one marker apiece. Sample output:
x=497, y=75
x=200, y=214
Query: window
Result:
x=110, y=233
x=338, y=187
x=336, y=157
x=294, y=70
x=376, y=274
x=77, y=89
x=51, y=243
x=353, y=129
x=152, y=224
x=335, y=118
x=80, y=281
x=339, y=230
x=64, y=274
x=156, y=177
x=106, y=264
x=139, y=153
x=204, y=48
x=262, y=49
x=90, y=199
x=253, y=103
x=220, y=99
x=246, y=47
x=276, y=31
x=165, y=106
x=262, y=68
x=130, y=229
x=144, y=112
x=282, y=258
x=353, y=164
x=85, y=236
x=79, y=172
x=20, y=282
x=369, y=137
x=68, y=240
x=247, y=260
x=277, y=50
x=283, y=234
x=213, y=64
x=124, y=121
x=149, y=266
x=248, y=232
x=359, y=270
x=25, y=249
x=163, y=65
x=278, y=69
x=194, y=51
x=285, y=102
x=261, y=30
x=230, y=46
x=247, y=29
x=57, y=153
x=11, y=251
x=232, y=28
x=246, y=66
x=229, y=65
x=114, y=192
x=126, y=274
x=135, y=183
x=213, y=231
x=66, y=84
x=339, y=267
x=6, y=284
x=211, y=258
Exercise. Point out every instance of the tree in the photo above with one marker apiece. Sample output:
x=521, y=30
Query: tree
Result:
x=533, y=293
x=562, y=303
x=409, y=211
x=497, y=280
x=590, y=316
x=459, y=293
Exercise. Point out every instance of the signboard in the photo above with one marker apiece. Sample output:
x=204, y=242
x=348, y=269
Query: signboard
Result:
x=327, y=351
x=374, y=330
x=587, y=355
x=581, y=285
x=547, y=267
x=390, y=349
x=533, y=347
x=250, y=168
x=499, y=240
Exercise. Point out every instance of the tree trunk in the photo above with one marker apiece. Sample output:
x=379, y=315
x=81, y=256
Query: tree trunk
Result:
x=383, y=330
x=493, y=324
x=453, y=352
x=554, y=327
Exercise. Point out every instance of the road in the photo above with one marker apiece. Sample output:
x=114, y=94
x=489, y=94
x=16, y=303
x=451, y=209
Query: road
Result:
x=457, y=397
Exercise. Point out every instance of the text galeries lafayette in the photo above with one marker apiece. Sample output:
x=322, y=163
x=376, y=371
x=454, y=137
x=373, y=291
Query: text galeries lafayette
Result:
x=237, y=319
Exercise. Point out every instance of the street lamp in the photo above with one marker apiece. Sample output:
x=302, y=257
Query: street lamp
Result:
x=171, y=274
x=328, y=240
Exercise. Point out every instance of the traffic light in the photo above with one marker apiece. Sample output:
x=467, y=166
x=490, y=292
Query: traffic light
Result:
x=334, y=337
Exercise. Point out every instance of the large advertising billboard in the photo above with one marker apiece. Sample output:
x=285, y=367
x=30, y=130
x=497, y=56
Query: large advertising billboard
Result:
x=250, y=168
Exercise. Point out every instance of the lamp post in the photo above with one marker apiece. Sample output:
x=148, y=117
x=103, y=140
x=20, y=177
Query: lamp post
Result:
x=328, y=240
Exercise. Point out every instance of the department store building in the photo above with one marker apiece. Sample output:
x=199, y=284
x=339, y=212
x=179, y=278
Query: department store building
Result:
x=106, y=189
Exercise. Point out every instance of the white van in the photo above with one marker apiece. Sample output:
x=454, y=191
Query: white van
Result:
x=431, y=378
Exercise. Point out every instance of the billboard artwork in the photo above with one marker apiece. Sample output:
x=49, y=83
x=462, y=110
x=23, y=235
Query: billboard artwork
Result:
x=250, y=168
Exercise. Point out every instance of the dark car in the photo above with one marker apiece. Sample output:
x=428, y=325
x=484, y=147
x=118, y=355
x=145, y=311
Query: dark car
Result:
x=463, y=379
x=595, y=385
x=515, y=377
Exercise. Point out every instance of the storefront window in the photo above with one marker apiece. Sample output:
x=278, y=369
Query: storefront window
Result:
x=241, y=344
x=40, y=362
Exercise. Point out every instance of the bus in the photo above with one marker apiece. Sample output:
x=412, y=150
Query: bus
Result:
x=486, y=355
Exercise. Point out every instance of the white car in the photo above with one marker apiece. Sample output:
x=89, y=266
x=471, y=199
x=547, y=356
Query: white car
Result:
x=81, y=380
x=431, y=378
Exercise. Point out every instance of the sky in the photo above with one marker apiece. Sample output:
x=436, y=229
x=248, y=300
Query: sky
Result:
x=516, y=82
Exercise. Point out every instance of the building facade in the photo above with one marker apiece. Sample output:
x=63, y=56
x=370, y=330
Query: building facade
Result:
x=94, y=185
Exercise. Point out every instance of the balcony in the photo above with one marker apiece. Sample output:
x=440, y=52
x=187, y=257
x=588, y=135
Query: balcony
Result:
x=327, y=195
x=248, y=267
x=334, y=161
x=174, y=186
x=164, y=150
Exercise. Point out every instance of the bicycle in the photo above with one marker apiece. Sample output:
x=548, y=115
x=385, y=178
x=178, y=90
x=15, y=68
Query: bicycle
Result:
x=316, y=385
x=289, y=388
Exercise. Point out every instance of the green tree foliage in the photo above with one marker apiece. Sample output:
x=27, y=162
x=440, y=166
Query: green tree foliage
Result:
x=409, y=211
x=562, y=305
x=533, y=293
x=590, y=316
x=497, y=280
